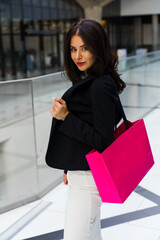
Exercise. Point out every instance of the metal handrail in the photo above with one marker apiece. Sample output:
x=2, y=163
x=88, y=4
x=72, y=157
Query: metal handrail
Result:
x=60, y=72
x=141, y=55
x=30, y=78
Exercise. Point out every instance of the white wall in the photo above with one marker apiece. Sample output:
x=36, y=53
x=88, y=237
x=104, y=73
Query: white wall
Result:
x=140, y=7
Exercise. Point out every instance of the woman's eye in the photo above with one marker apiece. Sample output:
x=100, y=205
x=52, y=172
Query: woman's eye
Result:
x=73, y=49
x=83, y=49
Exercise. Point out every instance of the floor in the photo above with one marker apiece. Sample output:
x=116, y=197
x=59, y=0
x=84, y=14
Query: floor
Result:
x=137, y=219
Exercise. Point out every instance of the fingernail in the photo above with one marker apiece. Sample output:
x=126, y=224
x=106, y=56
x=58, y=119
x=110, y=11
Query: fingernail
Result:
x=54, y=97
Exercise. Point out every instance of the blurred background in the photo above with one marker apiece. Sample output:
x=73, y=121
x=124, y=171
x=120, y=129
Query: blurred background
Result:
x=32, y=31
x=31, y=60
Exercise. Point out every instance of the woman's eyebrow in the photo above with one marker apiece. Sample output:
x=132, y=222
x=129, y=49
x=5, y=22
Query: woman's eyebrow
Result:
x=80, y=46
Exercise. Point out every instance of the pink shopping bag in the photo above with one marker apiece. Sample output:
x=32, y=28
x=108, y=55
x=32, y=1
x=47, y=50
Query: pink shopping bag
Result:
x=119, y=168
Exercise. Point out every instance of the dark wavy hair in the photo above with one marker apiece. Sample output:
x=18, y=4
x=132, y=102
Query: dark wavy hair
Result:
x=97, y=42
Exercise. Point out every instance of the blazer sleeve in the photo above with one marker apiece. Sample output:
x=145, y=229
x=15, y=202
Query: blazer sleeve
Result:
x=100, y=135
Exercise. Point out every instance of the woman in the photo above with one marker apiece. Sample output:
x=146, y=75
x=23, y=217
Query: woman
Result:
x=84, y=119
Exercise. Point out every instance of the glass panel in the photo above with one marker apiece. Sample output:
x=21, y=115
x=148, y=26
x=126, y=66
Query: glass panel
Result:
x=55, y=61
x=27, y=12
x=44, y=89
x=75, y=13
x=5, y=26
x=16, y=1
x=139, y=100
x=53, y=3
x=62, y=14
x=19, y=60
x=45, y=13
x=68, y=14
x=45, y=3
x=60, y=4
x=53, y=14
x=36, y=2
x=67, y=5
x=134, y=67
x=16, y=12
x=47, y=52
x=141, y=73
x=33, y=60
x=5, y=1
x=17, y=145
x=4, y=10
x=7, y=56
x=27, y=2
x=153, y=68
x=16, y=26
x=37, y=13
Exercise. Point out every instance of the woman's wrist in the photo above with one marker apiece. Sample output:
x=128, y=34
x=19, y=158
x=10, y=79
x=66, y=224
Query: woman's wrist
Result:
x=65, y=116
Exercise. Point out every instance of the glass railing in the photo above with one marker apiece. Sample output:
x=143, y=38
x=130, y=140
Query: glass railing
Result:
x=142, y=76
x=25, y=123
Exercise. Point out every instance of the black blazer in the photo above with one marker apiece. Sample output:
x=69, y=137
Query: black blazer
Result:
x=94, y=112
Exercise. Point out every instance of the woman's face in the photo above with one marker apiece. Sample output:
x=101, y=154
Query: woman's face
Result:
x=80, y=54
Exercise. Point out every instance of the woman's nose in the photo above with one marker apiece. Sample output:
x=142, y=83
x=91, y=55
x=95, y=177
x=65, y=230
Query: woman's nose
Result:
x=78, y=54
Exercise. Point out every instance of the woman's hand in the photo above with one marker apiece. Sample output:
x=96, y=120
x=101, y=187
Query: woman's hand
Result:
x=65, y=180
x=59, y=109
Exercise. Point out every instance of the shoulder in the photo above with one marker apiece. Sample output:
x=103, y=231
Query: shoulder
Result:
x=104, y=83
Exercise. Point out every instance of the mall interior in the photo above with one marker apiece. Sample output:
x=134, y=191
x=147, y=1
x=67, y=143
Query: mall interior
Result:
x=32, y=195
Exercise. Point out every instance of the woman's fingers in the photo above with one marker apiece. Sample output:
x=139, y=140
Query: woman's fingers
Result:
x=52, y=113
x=60, y=100
x=65, y=180
x=57, y=105
x=59, y=109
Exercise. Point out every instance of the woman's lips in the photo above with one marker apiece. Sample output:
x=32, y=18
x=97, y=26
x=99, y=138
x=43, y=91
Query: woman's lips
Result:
x=80, y=63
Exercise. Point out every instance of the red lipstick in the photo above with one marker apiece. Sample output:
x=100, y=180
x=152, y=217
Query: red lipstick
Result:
x=80, y=63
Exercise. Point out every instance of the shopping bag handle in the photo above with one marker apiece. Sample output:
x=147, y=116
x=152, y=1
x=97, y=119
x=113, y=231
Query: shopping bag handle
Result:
x=123, y=114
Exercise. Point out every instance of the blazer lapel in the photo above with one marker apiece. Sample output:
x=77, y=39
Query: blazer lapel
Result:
x=75, y=86
x=68, y=93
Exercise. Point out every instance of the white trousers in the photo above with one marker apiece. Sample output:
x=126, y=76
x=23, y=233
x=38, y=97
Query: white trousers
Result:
x=82, y=221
